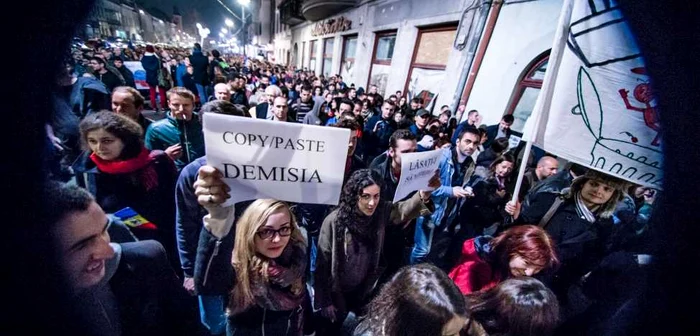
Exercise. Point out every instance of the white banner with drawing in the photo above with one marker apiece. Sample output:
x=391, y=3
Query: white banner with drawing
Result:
x=416, y=171
x=603, y=111
x=269, y=159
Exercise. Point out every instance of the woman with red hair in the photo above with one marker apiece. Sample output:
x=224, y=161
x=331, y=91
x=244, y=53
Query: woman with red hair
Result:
x=519, y=251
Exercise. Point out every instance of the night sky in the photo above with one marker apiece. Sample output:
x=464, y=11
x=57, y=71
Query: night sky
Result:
x=210, y=13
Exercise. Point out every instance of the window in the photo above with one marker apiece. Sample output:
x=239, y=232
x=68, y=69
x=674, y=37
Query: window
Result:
x=522, y=102
x=312, y=55
x=347, y=62
x=385, y=48
x=429, y=61
x=384, y=43
x=327, y=57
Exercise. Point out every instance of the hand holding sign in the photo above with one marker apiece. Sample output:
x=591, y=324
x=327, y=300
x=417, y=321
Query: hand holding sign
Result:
x=210, y=188
x=418, y=172
x=432, y=185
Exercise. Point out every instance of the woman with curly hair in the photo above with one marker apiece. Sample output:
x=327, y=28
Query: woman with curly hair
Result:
x=519, y=251
x=351, y=242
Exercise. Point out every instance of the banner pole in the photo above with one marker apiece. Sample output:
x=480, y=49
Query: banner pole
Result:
x=544, y=101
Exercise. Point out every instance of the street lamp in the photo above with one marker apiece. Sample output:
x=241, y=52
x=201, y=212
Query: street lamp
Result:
x=228, y=22
x=224, y=30
x=141, y=11
x=243, y=4
x=221, y=35
x=199, y=25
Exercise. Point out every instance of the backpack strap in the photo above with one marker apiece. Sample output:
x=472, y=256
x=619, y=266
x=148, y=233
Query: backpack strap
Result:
x=550, y=213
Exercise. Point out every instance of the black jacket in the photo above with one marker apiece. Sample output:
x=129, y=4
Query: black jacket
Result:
x=382, y=165
x=580, y=245
x=150, y=297
x=200, y=64
x=492, y=132
x=128, y=76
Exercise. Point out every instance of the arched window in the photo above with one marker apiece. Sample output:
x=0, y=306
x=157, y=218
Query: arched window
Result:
x=522, y=102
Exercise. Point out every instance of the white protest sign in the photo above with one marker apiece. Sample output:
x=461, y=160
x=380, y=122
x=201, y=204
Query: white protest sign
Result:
x=271, y=159
x=139, y=74
x=416, y=171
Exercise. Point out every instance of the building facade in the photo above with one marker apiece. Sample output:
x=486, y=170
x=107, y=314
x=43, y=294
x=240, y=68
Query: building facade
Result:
x=489, y=55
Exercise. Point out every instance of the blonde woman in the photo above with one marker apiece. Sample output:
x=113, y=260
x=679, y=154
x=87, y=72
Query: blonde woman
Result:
x=269, y=260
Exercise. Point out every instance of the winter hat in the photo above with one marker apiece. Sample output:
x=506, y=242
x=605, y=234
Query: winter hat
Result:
x=150, y=49
x=591, y=174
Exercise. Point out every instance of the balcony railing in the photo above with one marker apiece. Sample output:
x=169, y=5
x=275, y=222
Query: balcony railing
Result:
x=316, y=10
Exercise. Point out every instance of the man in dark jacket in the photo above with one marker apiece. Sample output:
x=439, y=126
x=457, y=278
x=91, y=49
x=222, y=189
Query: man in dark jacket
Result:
x=237, y=84
x=109, y=79
x=126, y=289
x=419, y=128
x=502, y=130
x=129, y=102
x=388, y=165
x=200, y=65
x=126, y=73
x=378, y=130
x=153, y=66
x=472, y=118
x=555, y=183
x=180, y=133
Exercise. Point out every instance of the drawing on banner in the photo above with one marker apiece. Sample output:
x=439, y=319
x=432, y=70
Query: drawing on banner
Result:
x=604, y=18
x=617, y=156
x=644, y=94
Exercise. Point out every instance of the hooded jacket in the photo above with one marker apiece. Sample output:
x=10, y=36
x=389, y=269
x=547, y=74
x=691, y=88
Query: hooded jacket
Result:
x=314, y=117
x=473, y=271
x=151, y=64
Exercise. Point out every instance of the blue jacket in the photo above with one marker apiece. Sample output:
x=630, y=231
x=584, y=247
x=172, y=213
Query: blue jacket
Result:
x=151, y=64
x=444, y=192
x=88, y=95
x=179, y=73
x=459, y=129
x=188, y=215
x=377, y=142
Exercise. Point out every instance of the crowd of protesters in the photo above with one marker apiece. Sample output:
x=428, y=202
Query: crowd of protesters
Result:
x=148, y=243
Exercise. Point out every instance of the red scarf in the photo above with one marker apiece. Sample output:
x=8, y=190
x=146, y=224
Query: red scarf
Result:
x=147, y=174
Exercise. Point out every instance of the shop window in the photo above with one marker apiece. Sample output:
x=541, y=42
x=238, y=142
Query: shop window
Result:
x=380, y=67
x=312, y=55
x=347, y=62
x=327, y=57
x=522, y=102
x=428, y=64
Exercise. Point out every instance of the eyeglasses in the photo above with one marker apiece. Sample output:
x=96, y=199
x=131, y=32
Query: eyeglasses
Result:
x=270, y=233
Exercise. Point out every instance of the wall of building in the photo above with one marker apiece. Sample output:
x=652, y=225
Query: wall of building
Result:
x=523, y=31
x=405, y=16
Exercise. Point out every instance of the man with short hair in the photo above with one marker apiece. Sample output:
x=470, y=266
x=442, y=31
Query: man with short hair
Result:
x=263, y=110
x=415, y=105
x=502, y=130
x=129, y=102
x=125, y=289
x=237, y=85
x=378, y=130
x=456, y=169
x=546, y=167
x=222, y=92
x=472, y=118
x=352, y=93
x=109, y=79
x=346, y=107
x=306, y=109
x=279, y=110
x=292, y=94
x=125, y=72
x=373, y=89
x=180, y=133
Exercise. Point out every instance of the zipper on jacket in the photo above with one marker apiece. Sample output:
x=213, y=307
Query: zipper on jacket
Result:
x=187, y=145
x=211, y=259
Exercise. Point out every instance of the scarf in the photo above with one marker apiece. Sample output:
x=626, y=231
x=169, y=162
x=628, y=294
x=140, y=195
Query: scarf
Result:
x=141, y=164
x=283, y=288
x=582, y=210
x=360, y=227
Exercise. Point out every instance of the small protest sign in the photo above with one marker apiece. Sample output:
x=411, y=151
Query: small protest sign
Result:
x=416, y=171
